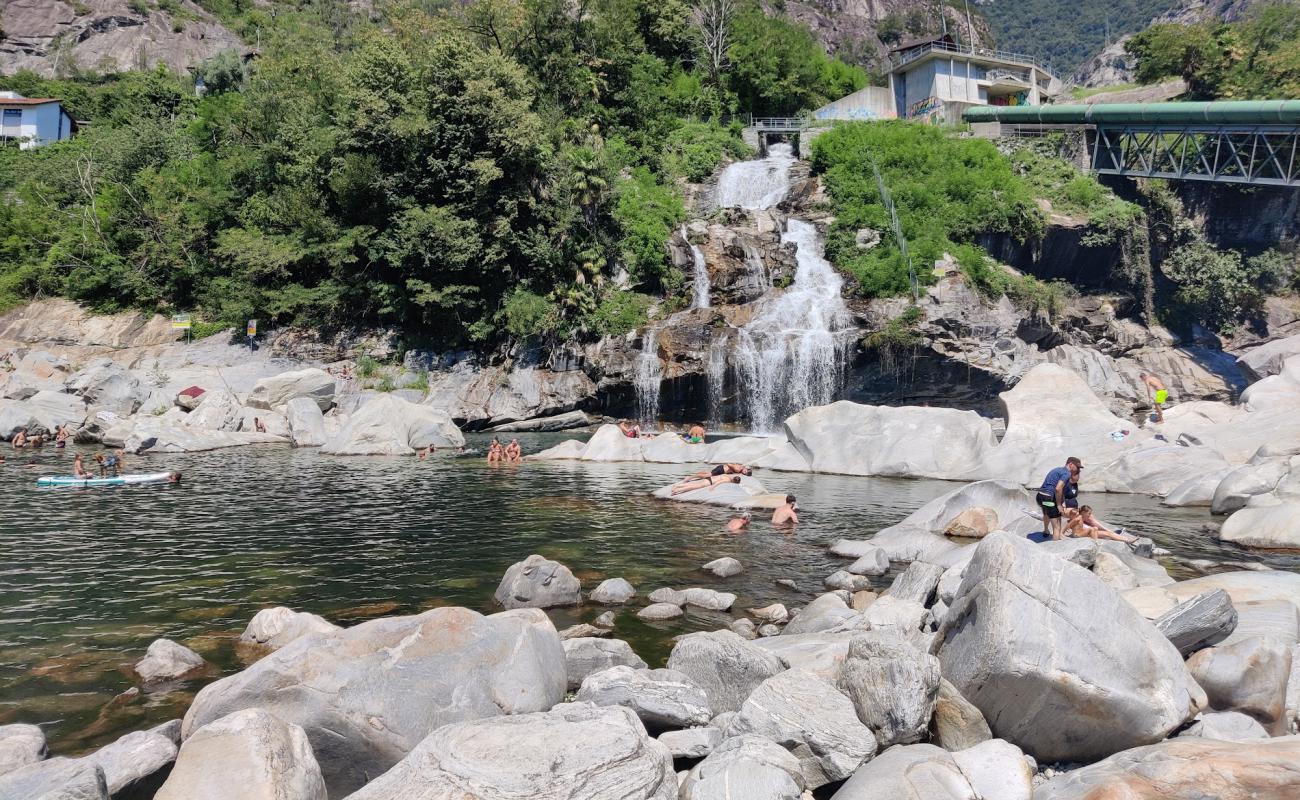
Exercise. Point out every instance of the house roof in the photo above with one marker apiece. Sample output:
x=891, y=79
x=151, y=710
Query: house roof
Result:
x=27, y=101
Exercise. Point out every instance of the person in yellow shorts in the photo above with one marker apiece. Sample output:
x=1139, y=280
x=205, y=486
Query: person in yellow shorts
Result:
x=1156, y=393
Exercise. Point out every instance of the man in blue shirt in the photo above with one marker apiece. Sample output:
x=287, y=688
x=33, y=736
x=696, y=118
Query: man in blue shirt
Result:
x=1052, y=494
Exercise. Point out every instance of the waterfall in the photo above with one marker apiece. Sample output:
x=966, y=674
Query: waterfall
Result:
x=791, y=354
x=716, y=376
x=700, y=274
x=757, y=184
x=649, y=372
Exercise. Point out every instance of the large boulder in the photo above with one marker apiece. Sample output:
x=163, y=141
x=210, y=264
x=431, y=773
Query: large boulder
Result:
x=20, y=745
x=909, y=772
x=914, y=442
x=584, y=655
x=697, y=596
x=109, y=386
x=575, y=751
x=266, y=758
x=55, y=779
x=822, y=654
x=957, y=724
x=538, y=582
x=166, y=660
x=662, y=698
x=1247, y=481
x=917, y=583
x=135, y=764
x=724, y=665
x=920, y=536
x=390, y=426
x=306, y=423
x=1227, y=726
x=218, y=410
x=828, y=612
x=1031, y=639
x=746, y=767
x=313, y=383
x=277, y=627
x=808, y=716
x=1268, y=358
x=609, y=443
x=612, y=592
x=1249, y=676
x=367, y=695
x=892, y=685
x=1187, y=768
x=1244, y=587
x=1204, y=620
x=1269, y=527
x=169, y=435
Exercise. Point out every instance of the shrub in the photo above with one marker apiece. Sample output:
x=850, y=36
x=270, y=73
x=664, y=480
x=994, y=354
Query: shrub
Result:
x=1216, y=288
x=366, y=366
x=620, y=312
x=646, y=212
x=695, y=149
x=528, y=314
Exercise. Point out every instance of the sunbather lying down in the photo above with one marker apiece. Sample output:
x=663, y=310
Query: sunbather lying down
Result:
x=710, y=483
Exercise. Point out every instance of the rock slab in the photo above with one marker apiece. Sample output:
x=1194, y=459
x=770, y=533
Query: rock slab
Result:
x=267, y=759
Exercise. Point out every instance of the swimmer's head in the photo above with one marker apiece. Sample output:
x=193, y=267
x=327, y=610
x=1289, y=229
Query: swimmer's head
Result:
x=789, y=499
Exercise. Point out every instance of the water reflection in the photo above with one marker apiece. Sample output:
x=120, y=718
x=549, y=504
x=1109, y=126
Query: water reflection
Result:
x=90, y=577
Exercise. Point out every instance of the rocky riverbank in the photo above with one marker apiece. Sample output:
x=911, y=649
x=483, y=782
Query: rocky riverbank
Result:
x=994, y=669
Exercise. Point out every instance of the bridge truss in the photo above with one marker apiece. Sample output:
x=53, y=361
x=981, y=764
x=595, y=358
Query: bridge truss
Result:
x=1261, y=155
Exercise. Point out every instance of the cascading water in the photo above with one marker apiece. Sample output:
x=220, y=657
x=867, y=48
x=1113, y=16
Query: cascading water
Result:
x=791, y=354
x=716, y=375
x=700, y=275
x=649, y=372
x=757, y=184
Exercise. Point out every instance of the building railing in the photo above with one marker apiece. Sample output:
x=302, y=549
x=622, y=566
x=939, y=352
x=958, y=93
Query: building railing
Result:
x=908, y=56
x=780, y=123
x=999, y=75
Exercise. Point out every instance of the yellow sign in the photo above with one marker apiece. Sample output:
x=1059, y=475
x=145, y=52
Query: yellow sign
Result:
x=252, y=327
x=182, y=322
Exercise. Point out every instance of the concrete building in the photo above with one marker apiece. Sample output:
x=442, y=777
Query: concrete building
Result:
x=32, y=122
x=936, y=79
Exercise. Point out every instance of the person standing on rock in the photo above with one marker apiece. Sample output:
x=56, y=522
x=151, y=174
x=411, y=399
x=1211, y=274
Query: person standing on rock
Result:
x=785, y=514
x=1157, y=394
x=1051, y=495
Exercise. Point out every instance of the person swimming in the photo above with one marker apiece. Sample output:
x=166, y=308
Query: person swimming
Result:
x=61, y=436
x=739, y=524
x=513, y=452
x=20, y=439
x=709, y=483
x=173, y=477
x=495, y=453
x=785, y=514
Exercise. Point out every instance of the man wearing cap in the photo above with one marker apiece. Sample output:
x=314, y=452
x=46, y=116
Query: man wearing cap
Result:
x=1052, y=494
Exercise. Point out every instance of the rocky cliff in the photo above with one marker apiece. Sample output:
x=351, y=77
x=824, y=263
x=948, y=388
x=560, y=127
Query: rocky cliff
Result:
x=52, y=37
x=863, y=31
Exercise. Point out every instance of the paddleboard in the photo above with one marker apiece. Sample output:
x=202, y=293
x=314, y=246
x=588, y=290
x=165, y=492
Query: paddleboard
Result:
x=124, y=480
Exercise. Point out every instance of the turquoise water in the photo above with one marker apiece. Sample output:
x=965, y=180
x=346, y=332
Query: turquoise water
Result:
x=91, y=576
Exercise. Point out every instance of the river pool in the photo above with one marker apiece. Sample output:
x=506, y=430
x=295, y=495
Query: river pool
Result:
x=90, y=577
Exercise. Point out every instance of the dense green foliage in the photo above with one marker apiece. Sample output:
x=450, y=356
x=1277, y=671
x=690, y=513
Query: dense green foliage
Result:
x=468, y=172
x=1256, y=58
x=1067, y=32
x=946, y=191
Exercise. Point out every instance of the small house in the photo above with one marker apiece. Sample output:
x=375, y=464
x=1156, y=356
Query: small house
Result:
x=33, y=121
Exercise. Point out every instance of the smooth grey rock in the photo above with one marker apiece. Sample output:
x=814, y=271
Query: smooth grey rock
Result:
x=917, y=583
x=820, y=653
x=776, y=613
x=906, y=618
x=312, y=383
x=21, y=745
x=1114, y=573
x=724, y=665
x=548, y=424
x=1031, y=639
x=920, y=536
x=583, y=656
x=306, y=423
x=169, y=730
x=691, y=742
x=662, y=698
x=538, y=582
x=266, y=758
x=1249, y=676
x=1077, y=551
x=724, y=567
x=997, y=770
x=218, y=410
x=788, y=584
x=1204, y=620
x=811, y=718
x=1227, y=726
x=957, y=724
x=605, y=620
x=1293, y=691
x=135, y=762
x=612, y=592
x=367, y=695
x=853, y=548
x=582, y=631
x=575, y=751
x=166, y=660
x=109, y=386
x=769, y=630
x=744, y=628
x=1246, y=481
x=827, y=612
x=276, y=627
x=660, y=611
x=847, y=581
x=745, y=768
x=874, y=562
x=893, y=686
x=1275, y=527
x=388, y=425
x=55, y=779
x=1186, y=768
x=909, y=772
x=694, y=596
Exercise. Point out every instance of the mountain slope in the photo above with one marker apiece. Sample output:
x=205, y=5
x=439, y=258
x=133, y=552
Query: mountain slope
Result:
x=52, y=37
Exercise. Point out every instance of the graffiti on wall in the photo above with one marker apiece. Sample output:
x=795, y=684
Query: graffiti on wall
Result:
x=928, y=108
x=858, y=113
x=1017, y=99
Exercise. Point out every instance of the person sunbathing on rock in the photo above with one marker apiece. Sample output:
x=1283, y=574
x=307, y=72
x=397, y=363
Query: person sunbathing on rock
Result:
x=785, y=514
x=1083, y=523
x=725, y=469
x=712, y=482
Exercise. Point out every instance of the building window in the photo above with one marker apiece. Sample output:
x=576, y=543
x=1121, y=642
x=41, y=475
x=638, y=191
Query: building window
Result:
x=12, y=124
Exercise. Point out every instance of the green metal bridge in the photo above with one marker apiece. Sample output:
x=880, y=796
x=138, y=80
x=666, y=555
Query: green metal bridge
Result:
x=1252, y=142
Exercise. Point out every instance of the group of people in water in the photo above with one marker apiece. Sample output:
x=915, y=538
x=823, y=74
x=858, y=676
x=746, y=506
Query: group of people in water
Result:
x=1058, y=500
x=498, y=453
x=694, y=434
x=24, y=439
x=785, y=515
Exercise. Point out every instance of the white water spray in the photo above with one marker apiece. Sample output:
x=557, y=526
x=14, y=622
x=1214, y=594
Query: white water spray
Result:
x=757, y=184
x=699, y=274
x=649, y=372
